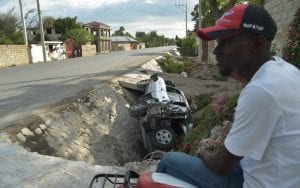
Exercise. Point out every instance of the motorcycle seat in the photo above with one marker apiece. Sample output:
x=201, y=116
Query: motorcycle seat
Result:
x=161, y=180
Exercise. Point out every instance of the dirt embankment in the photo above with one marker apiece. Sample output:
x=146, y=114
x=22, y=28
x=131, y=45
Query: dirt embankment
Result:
x=95, y=125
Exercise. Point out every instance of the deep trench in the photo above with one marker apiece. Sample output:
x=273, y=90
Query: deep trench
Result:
x=94, y=127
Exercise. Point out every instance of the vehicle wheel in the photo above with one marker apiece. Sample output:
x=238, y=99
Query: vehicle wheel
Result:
x=163, y=138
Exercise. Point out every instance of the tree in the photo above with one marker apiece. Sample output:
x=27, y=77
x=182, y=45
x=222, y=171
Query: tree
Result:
x=187, y=46
x=62, y=25
x=10, y=28
x=140, y=34
x=119, y=32
x=211, y=10
x=152, y=39
x=48, y=21
x=79, y=35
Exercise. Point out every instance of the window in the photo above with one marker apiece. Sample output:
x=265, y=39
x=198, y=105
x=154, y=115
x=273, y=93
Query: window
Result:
x=51, y=49
x=32, y=33
x=49, y=31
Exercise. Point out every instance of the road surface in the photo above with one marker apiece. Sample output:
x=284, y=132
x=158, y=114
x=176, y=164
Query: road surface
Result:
x=26, y=89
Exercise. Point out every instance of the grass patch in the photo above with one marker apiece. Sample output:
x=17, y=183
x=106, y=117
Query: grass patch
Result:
x=209, y=120
x=202, y=100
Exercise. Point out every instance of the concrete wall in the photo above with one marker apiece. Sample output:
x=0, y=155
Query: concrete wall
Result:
x=119, y=46
x=88, y=50
x=283, y=12
x=14, y=55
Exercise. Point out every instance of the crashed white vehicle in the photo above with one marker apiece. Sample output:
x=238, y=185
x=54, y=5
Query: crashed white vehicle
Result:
x=163, y=113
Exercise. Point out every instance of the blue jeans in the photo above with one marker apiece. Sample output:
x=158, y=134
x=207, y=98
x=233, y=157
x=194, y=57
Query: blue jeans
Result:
x=192, y=169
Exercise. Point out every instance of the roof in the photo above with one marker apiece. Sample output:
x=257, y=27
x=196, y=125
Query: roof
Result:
x=95, y=24
x=53, y=42
x=122, y=39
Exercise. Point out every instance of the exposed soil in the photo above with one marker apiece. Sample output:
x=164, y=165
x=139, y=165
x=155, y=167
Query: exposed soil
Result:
x=94, y=126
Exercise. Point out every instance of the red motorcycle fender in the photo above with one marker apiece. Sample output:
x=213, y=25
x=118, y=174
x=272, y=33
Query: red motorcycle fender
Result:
x=161, y=180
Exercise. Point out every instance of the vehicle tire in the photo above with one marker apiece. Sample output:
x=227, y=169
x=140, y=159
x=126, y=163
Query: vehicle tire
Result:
x=163, y=138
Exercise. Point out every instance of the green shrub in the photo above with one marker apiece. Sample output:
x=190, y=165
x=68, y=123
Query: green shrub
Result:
x=211, y=118
x=170, y=66
x=187, y=46
x=202, y=100
x=291, y=50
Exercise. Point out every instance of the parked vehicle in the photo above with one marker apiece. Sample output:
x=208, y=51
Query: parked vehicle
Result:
x=163, y=113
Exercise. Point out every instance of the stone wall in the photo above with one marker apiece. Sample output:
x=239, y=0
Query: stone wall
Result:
x=211, y=56
x=11, y=55
x=88, y=50
x=283, y=12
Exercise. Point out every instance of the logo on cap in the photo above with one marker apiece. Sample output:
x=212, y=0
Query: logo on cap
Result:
x=228, y=13
x=253, y=26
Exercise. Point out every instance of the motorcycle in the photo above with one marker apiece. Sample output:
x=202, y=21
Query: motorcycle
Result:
x=163, y=114
x=132, y=179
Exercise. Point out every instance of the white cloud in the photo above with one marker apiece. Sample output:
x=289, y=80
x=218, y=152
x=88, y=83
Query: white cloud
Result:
x=88, y=4
x=148, y=1
x=134, y=15
x=169, y=27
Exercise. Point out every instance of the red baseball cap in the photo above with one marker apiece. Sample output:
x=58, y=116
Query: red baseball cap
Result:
x=246, y=17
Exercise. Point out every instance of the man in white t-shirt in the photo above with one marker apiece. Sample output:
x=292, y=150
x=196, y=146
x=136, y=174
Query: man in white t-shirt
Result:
x=158, y=89
x=262, y=149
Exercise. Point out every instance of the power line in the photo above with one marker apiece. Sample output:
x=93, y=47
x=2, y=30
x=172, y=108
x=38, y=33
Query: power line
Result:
x=41, y=30
x=23, y=23
x=183, y=7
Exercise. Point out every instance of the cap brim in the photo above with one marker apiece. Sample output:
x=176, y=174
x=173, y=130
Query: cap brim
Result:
x=216, y=32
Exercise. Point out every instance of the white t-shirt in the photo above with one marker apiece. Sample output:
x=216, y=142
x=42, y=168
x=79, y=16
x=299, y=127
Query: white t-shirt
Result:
x=158, y=90
x=266, y=128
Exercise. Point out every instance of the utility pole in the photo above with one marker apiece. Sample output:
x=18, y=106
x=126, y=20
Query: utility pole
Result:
x=23, y=23
x=41, y=30
x=181, y=5
x=199, y=27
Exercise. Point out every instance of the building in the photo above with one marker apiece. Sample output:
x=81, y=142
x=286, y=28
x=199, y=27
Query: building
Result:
x=119, y=43
x=49, y=32
x=101, y=36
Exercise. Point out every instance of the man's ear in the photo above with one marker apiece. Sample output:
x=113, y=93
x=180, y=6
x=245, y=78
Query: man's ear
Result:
x=259, y=42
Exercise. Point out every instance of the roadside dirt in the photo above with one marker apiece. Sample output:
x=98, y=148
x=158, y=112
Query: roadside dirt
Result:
x=94, y=126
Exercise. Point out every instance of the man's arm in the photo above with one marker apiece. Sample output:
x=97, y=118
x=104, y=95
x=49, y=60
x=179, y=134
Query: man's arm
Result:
x=221, y=161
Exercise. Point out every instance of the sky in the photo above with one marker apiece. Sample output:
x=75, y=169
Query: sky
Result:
x=135, y=15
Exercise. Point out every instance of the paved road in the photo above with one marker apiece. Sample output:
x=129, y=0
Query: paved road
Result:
x=28, y=88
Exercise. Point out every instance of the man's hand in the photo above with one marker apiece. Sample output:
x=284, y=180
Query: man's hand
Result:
x=201, y=153
x=221, y=161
